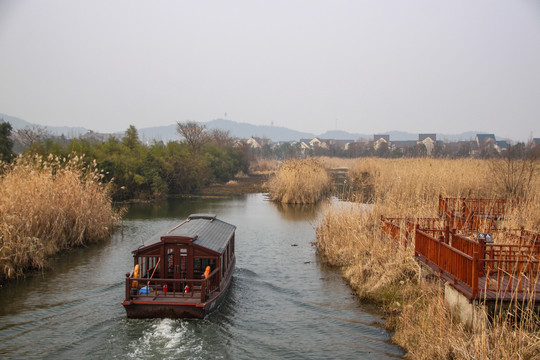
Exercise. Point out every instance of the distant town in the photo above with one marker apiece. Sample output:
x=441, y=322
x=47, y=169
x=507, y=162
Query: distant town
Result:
x=483, y=145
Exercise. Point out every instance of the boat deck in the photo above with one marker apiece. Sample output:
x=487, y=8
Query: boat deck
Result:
x=193, y=297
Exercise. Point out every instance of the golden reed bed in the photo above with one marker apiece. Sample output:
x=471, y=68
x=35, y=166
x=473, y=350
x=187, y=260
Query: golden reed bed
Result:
x=46, y=206
x=299, y=181
x=349, y=236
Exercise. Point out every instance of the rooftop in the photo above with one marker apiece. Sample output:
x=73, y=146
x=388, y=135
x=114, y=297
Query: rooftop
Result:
x=205, y=230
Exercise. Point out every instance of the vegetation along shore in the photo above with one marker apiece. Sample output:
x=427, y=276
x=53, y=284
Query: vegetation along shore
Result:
x=349, y=237
x=57, y=195
x=47, y=205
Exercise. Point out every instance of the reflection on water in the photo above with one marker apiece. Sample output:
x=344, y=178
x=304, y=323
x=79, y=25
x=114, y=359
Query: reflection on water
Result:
x=300, y=212
x=282, y=303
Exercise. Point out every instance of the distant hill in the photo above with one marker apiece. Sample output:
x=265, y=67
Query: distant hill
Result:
x=158, y=133
x=237, y=129
x=15, y=122
x=19, y=124
x=245, y=130
x=344, y=135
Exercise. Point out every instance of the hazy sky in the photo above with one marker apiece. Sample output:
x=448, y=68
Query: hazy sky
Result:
x=360, y=66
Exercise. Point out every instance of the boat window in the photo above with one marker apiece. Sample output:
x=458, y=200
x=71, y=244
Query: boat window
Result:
x=200, y=264
x=149, y=265
x=170, y=260
x=222, y=266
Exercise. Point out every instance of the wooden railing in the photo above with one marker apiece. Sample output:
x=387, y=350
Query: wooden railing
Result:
x=514, y=267
x=397, y=229
x=454, y=264
x=402, y=229
x=475, y=213
x=210, y=284
x=510, y=253
x=511, y=276
x=465, y=259
x=467, y=206
x=172, y=288
x=464, y=244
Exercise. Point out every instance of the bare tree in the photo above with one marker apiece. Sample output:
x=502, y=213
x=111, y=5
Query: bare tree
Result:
x=194, y=134
x=222, y=138
x=30, y=135
x=515, y=172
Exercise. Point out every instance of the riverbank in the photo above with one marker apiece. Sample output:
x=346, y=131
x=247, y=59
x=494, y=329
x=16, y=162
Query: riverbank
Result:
x=270, y=312
x=47, y=206
x=249, y=184
x=349, y=237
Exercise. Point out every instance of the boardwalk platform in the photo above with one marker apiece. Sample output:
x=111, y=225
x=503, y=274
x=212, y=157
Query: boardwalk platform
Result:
x=463, y=247
x=492, y=288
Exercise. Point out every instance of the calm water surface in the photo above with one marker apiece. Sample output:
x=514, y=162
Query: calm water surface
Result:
x=283, y=303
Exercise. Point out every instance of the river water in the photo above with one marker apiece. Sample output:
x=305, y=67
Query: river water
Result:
x=283, y=303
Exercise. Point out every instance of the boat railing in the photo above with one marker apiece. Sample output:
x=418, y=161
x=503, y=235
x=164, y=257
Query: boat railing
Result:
x=172, y=288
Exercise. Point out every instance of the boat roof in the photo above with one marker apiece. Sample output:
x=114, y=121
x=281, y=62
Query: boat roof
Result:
x=206, y=230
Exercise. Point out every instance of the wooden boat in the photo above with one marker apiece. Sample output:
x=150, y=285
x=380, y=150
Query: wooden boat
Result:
x=184, y=273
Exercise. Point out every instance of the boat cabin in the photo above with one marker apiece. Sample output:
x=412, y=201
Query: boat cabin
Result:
x=189, y=265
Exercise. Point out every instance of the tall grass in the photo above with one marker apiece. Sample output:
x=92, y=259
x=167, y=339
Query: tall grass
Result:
x=299, y=181
x=378, y=270
x=50, y=205
x=262, y=166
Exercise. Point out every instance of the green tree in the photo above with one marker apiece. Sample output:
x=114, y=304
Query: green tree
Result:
x=131, y=138
x=6, y=143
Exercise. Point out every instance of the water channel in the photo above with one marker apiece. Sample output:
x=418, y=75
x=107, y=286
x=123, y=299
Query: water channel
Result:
x=283, y=303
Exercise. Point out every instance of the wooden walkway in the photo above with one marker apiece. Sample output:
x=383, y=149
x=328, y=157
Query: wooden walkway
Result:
x=488, y=287
x=479, y=261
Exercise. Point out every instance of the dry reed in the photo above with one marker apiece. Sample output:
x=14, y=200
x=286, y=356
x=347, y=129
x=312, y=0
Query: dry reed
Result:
x=349, y=237
x=262, y=166
x=337, y=163
x=47, y=206
x=299, y=181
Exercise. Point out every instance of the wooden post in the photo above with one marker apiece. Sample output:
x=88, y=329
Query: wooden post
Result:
x=475, y=275
x=415, y=239
x=520, y=274
x=128, y=288
x=439, y=253
x=203, y=290
x=481, y=253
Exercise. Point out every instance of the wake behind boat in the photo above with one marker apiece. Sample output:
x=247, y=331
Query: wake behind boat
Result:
x=184, y=273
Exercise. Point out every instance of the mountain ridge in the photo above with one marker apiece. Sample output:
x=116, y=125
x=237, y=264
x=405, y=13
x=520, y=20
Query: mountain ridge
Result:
x=167, y=133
